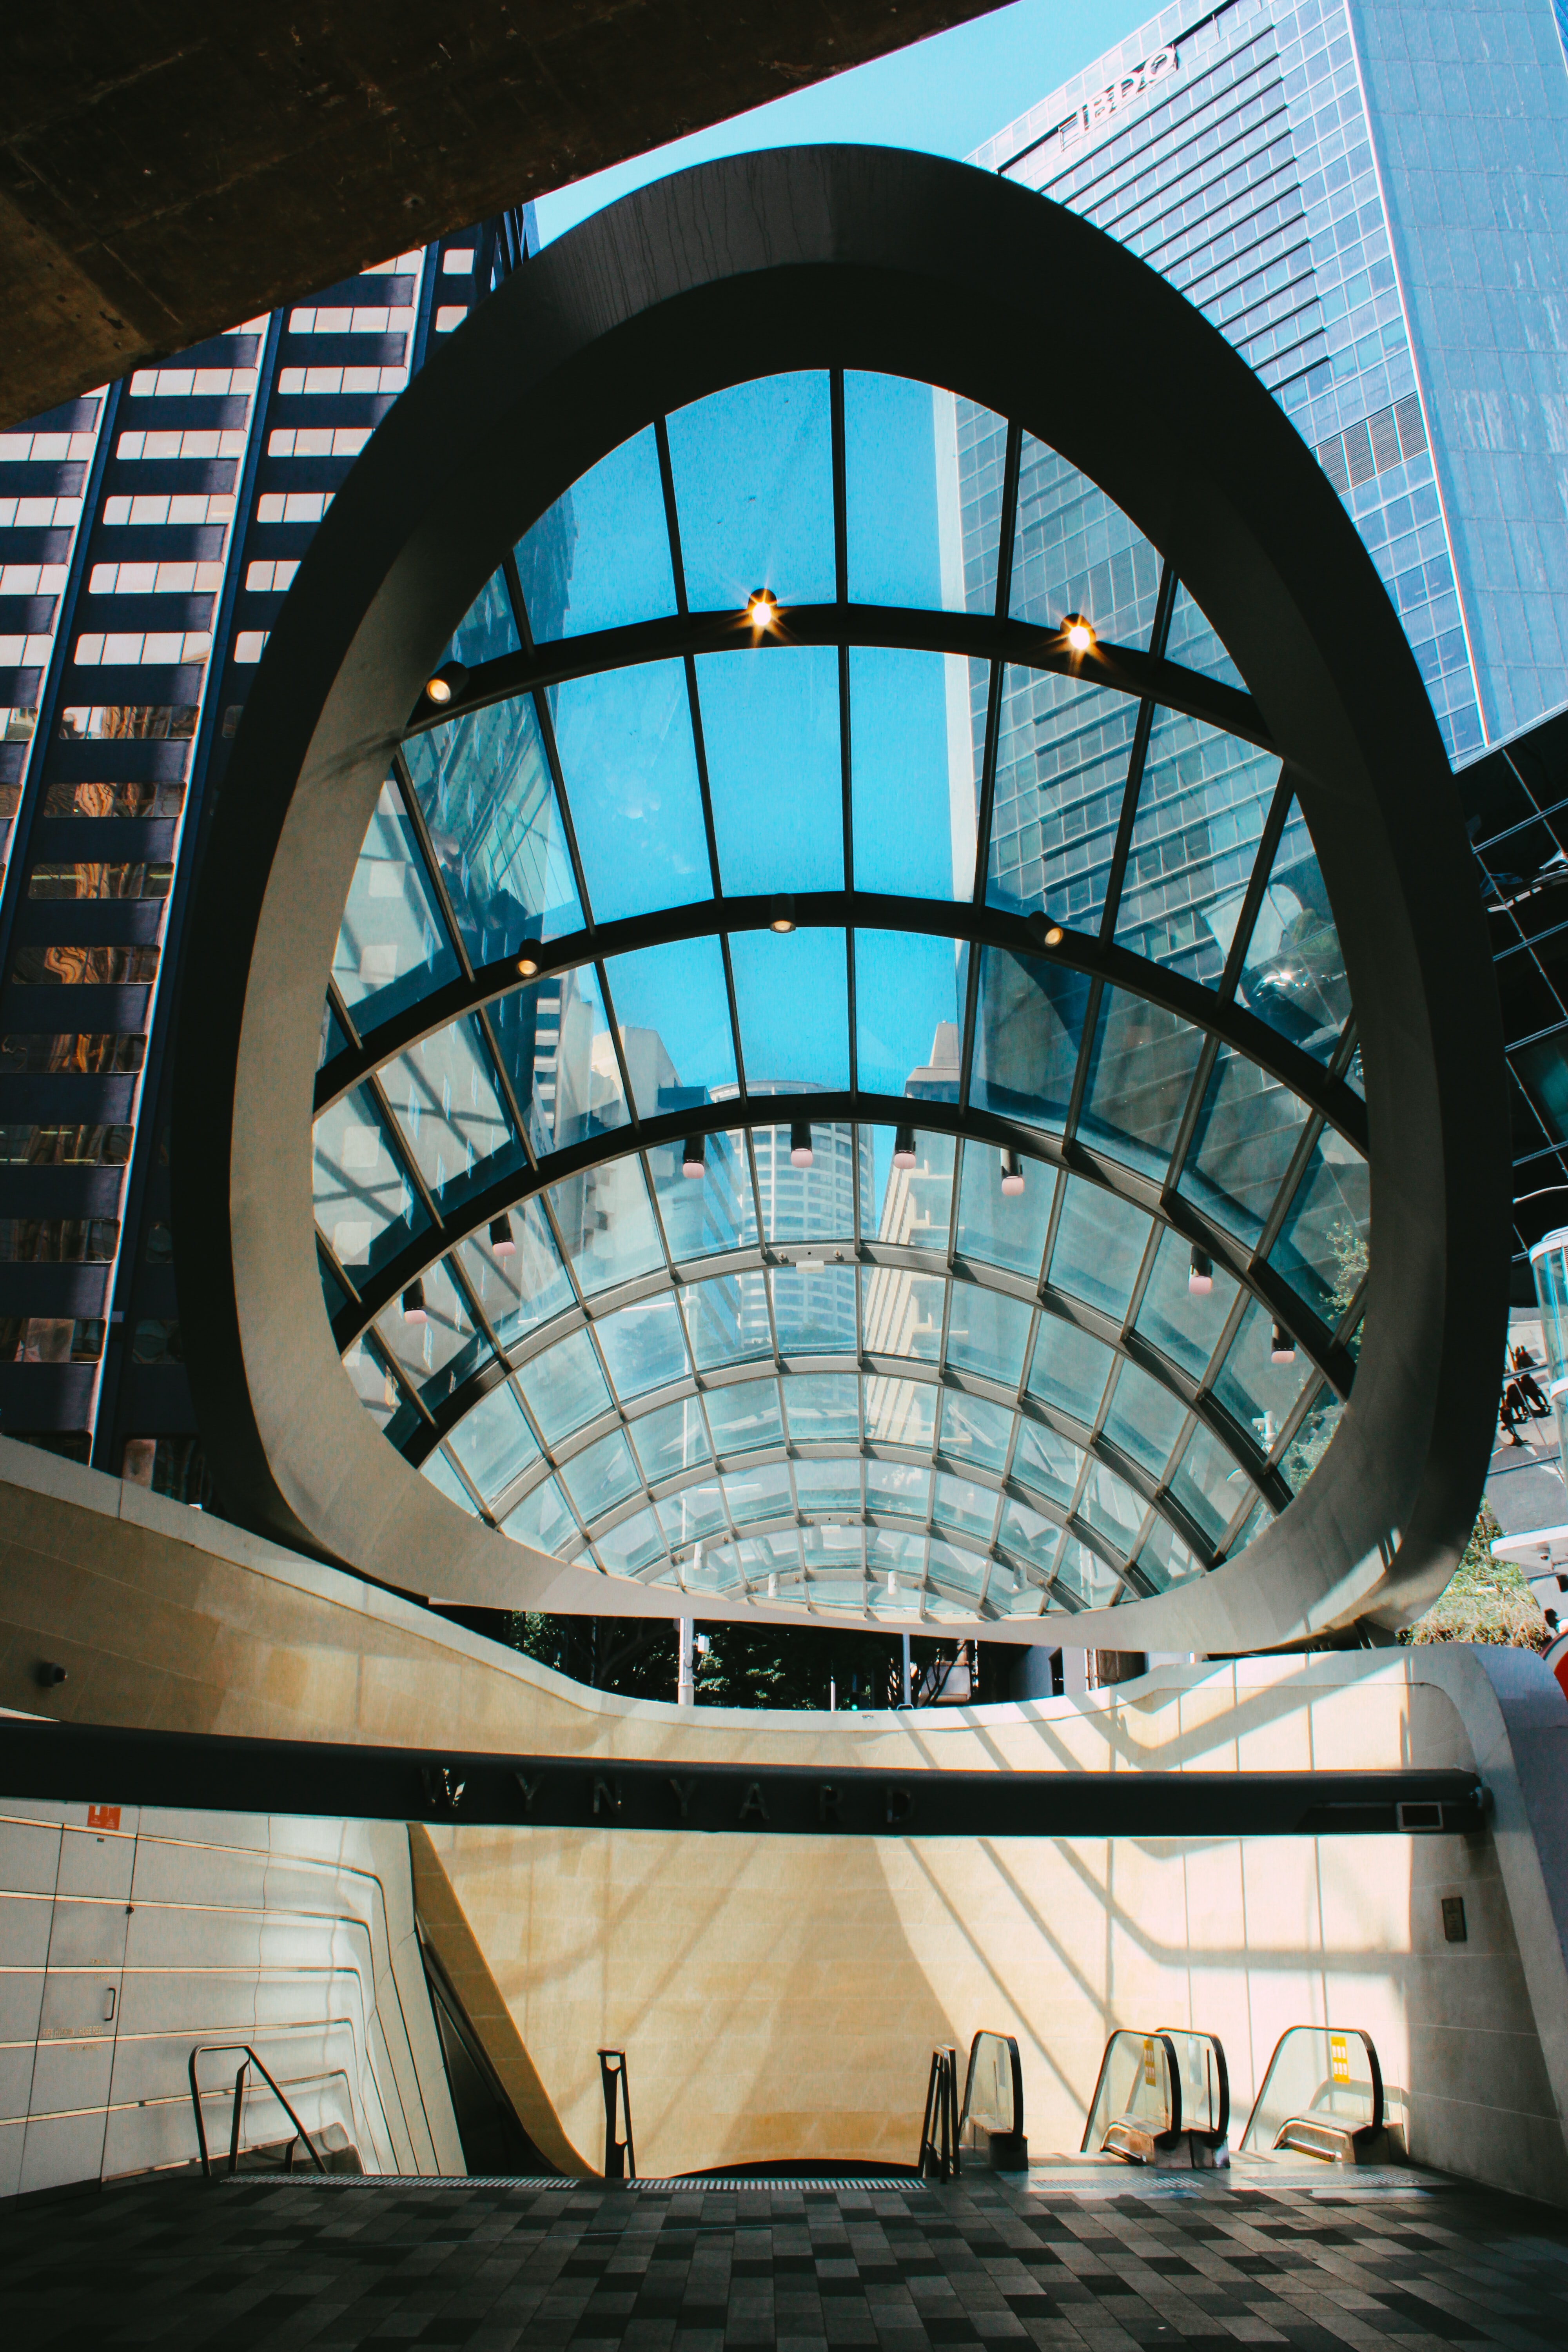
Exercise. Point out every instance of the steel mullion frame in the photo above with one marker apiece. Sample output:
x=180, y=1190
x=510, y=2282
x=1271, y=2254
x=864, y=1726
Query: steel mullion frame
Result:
x=341, y=1012
x=402, y=1153
x=1274, y=824
x=1191, y=1112
x=441, y=897
x=545, y=721
x=1133, y=783
x=1086, y=1055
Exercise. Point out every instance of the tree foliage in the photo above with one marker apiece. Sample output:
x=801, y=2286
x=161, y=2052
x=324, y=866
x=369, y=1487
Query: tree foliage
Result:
x=1485, y=1600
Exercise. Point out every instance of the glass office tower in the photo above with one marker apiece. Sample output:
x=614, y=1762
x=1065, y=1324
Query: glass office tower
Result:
x=1371, y=201
x=147, y=535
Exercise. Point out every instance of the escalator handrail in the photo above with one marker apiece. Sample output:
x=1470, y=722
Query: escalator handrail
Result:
x=1011, y=2043
x=228, y=2049
x=1374, y=2069
x=1163, y=2036
x=1214, y=2136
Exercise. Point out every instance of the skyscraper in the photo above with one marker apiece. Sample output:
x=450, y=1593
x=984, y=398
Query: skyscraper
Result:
x=147, y=534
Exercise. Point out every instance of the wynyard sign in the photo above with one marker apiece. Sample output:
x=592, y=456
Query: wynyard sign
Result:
x=1122, y=93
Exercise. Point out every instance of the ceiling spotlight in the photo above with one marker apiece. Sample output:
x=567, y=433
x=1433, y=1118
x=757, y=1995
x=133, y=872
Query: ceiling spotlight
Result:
x=1053, y=936
x=904, y=1148
x=782, y=919
x=691, y=1157
x=526, y=967
x=1077, y=633
x=800, y=1153
x=1283, y=1348
x=501, y=1241
x=762, y=608
x=414, y=1302
x=448, y=681
x=1011, y=1174
x=1200, y=1281
x=1042, y=929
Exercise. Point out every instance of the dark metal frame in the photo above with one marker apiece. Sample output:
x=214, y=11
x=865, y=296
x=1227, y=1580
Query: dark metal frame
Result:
x=853, y=258
x=620, y=2156
x=223, y=2049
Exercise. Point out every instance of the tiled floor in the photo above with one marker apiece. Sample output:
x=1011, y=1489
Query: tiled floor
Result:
x=1205, y=2264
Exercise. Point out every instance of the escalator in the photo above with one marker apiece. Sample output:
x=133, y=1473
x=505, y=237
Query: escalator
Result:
x=1323, y=2098
x=1163, y=2099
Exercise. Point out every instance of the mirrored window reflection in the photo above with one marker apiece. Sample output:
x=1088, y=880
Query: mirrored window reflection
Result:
x=392, y=947
x=1201, y=806
x=644, y=1346
x=1075, y=551
x=1143, y=1419
x=814, y=1309
x=1046, y=1463
x=793, y=997
x=543, y=1521
x=606, y=1224
x=1062, y=757
x=1110, y=1507
x=1185, y=1324
x=1321, y=1249
x=441, y=1475
x=1035, y=1540
x=823, y=1408
x=981, y=439
x=1245, y=1137
x=900, y=1412
x=1100, y=1245
x=761, y=1491
x=914, y=764
x=974, y=1430
x=1194, y=644
x=987, y=1333
x=449, y=1111
x=745, y=1416
x=564, y=1386
x=770, y=732
x=917, y=1205
x=908, y=1013
x=904, y=1312
x=515, y=1270
x=1208, y=1485
x=1069, y=1368
x=672, y=1439
x=601, y=1476
x=630, y=771
x=366, y=1208
x=1254, y=1389
x=1028, y=1028
x=578, y=1090
x=631, y=1545
x=753, y=493
x=902, y=476
x=485, y=791
x=1164, y=1560
x=600, y=556
x=705, y=1215
x=487, y=629
x=672, y=1010
x=1292, y=974
x=494, y=1442
x=431, y=1337
x=1140, y=1075
x=727, y=1318
x=1005, y=1229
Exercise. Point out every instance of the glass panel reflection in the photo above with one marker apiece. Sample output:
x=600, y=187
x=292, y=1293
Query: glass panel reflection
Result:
x=914, y=767
x=903, y=1313
x=770, y=729
x=814, y=1309
x=1028, y=1029
x=1293, y=972
x=696, y=1512
x=1144, y=1419
x=1062, y=759
x=606, y=1224
x=976, y=1430
x=793, y=996
x=1140, y=1075
x=962, y=1504
x=439, y=1470
x=753, y=493
x=728, y=1320
x=630, y=771
x=670, y=1440
x=1075, y=551
x=1100, y=1239
x=815, y=1204
x=1089, y=1578
x=1069, y=1368
x=449, y=1110
x=901, y=468
x=1046, y=1463
x=704, y=1217
x=494, y=1442
x=1258, y=1393
x=1201, y=807
x=1208, y=1485
x=631, y=1545
x=542, y=1520
x=1192, y=643
x=607, y=536
x=989, y=1332
x=1184, y=1324
x=745, y=1416
x=1244, y=1139
x=487, y=629
x=485, y=791
x=564, y=1386
x=673, y=1009
x=1111, y=1507
x=828, y=1485
x=1164, y=1560
x=601, y=1476
x=900, y=1412
x=917, y=1206
x=908, y=1013
x=1034, y=1539
x=823, y=1408
x=392, y=947
x=366, y=1208
x=1322, y=1251
x=761, y=1492
x=1005, y=1229
x=643, y=1346
x=515, y=1270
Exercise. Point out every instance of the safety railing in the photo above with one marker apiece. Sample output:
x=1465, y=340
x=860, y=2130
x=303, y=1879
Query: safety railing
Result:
x=1161, y=2098
x=994, y=2103
x=939, y=2158
x=1322, y=2095
x=620, y=2156
x=249, y=2060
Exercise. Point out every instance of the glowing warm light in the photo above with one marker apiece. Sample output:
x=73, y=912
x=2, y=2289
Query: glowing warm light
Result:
x=1053, y=936
x=762, y=608
x=440, y=689
x=527, y=967
x=1079, y=634
x=445, y=683
x=782, y=917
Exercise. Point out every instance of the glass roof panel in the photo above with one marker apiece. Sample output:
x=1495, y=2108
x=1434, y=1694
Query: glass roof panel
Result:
x=1258, y=1518
x=607, y=536
x=974, y=1430
x=989, y=1332
x=903, y=1313
x=439, y=1470
x=487, y=629
x=759, y=1492
x=673, y=1009
x=1001, y=1228
x=1069, y=1368
x=1034, y=1539
x=1192, y=643
x=601, y=1476
x=1140, y=1075
x=671, y=1439
x=1257, y=1392
x=808, y=1204
x=1109, y=1506
x=542, y=1520
x=769, y=731
x=753, y=493
x=1100, y=1244
x=1184, y=1328
x=909, y=993
x=1046, y=1463
x=392, y=947
x=518, y=1288
x=1144, y=1419
x=728, y=1320
x=436, y=1352
x=1310, y=1442
x=494, y=1442
x=606, y=1224
x=1062, y=759
x=1201, y=807
x=900, y=1412
x=702, y=1218
x=1164, y=1560
x=963, y=1504
x=484, y=789
x=1246, y=1137
x=793, y=996
x=914, y=762
x=697, y=1511
x=745, y=1416
x=1028, y=1027
x=630, y=771
x=1075, y=551
x=450, y=1114
x=1208, y=1485
x=917, y=1204
x=366, y=1208
x=1083, y=1574
x=1322, y=1251
x=584, y=1095
x=631, y=1545
x=377, y=1388
x=1293, y=974
x=902, y=472
x=823, y=1408
x=564, y=1386
x=643, y=1346
x=828, y=1485
x=981, y=449
x=814, y=1309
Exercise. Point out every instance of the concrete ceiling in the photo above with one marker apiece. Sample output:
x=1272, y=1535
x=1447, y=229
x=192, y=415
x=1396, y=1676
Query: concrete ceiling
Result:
x=168, y=167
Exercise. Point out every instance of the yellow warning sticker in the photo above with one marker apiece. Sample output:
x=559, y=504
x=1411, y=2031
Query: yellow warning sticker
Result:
x=1338, y=2058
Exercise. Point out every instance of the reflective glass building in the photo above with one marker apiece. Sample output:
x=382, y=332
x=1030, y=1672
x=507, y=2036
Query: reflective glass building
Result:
x=1371, y=201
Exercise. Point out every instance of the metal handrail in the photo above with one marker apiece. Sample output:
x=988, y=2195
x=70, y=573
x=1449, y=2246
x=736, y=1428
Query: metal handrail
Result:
x=620, y=2156
x=939, y=2158
x=226, y=2049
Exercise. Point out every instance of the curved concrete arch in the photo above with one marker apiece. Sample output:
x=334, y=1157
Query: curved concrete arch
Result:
x=899, y=264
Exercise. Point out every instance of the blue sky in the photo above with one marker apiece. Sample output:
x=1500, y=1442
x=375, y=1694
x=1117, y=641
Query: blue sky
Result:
x=944, y=96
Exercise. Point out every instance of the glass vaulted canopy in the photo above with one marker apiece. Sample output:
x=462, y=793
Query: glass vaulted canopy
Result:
x=917, y=1258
